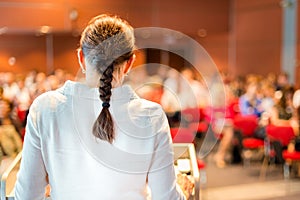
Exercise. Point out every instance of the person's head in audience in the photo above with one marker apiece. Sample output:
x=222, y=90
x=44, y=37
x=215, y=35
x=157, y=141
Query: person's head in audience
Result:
x=60, y=76
x=286, y=97
x=284, y=103
x=9, y=78
x=20, y=80
x=52, y=82
x=252, y=89
x=40, y=78
x=5, y=109
x=267, y=89
x=188, y=73
x=271, y=78
x=282, y=81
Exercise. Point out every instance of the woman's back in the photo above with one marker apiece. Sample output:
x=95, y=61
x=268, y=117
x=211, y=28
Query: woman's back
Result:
x=80, y=166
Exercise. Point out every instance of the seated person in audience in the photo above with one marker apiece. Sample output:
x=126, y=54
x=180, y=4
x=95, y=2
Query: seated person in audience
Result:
x=296, y=99
x=249, y=103
x=281, y=114
x=226, y=129
x=193, y=91
x=282, y=81
x=296, y=104
x=267, y=104
x=267, y=101
x=10, y=141
x=10, y=86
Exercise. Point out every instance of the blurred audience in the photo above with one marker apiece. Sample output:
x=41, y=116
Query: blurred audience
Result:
x=271, y=98
x=22, y=89
x=17, y=91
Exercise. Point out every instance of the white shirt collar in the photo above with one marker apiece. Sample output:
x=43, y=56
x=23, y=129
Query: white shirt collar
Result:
x=124, y=92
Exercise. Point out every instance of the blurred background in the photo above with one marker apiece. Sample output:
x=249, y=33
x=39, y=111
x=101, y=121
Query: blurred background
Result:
x=241, y=36
x=253, y=45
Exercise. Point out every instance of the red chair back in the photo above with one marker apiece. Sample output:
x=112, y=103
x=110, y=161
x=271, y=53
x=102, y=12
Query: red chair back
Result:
x=284, y=134
x=246, y=124
x=182, y=135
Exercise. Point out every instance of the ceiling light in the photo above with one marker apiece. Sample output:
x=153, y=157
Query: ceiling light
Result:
x=45, y=29
x=3, y=30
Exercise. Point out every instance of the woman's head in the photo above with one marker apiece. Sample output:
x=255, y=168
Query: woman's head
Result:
x=106, y=43
x=286, y=97
x=252, y=89
x=106, y=55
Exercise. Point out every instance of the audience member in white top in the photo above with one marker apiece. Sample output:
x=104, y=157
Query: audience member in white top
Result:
x=10, y=87
x=125, y=152
x=296, y=99
x=182, y=91
x=192, y=94
x=170, y=100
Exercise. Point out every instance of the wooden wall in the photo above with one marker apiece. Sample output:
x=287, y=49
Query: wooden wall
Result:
x=241, y=36
x=255, y=37
x=21, y=21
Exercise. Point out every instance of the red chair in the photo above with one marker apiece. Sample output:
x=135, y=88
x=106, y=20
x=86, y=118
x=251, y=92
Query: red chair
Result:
x=291, y=159
x=282, y=134
x=285, y=135
x=199, y=127
x=294, y=155
x=247, y=124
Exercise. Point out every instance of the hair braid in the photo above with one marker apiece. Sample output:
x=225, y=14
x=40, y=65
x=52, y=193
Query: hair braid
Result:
x=105, y=84
x=103, y=127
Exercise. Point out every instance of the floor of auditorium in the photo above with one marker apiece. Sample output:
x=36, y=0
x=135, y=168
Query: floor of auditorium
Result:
x=240, y=182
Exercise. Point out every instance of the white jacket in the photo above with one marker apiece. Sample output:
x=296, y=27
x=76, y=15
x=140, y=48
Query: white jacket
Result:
x=59, y=144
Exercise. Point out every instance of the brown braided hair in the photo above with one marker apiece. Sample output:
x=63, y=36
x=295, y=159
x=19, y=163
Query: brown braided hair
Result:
x=106, y=42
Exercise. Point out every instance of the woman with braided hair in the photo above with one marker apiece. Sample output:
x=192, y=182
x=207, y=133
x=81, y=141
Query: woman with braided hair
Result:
x=98, y=139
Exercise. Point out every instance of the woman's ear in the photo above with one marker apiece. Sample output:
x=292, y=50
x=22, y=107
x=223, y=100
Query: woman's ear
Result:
x=80, y=57
x=129, y=64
